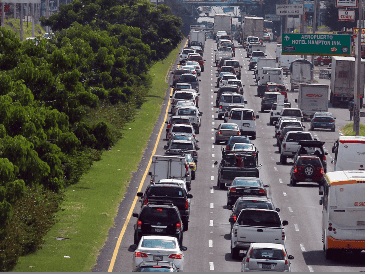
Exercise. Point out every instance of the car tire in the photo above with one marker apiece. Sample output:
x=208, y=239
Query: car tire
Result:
x=334, y=129
x=293, y=182
x=282, y=159
x=197, y=130
x=271, y=122
x=186, y=224
x=192, y=175
x=181, y=238
x=262, y=110
x=235, y=252
x=329, y=254
x=136, y=239
x=253, y=137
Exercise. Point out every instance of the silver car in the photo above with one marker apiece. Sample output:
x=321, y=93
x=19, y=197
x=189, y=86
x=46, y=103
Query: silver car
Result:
x=225, y=131
x=159, y=248
x=266, y=257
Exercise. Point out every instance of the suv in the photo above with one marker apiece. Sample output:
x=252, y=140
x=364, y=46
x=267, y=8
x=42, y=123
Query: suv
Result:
x=292, y=112
x=169, y=193
x=275, y=112
x=268, y=99
x=274, y=87
x=158, y=219
x=190, y=79
x=306, y=169
x=194, y=115
x=323, y=120
x=284, y=131
x=236, y=139
x=318, y=151
x=235, y=64
x=229, y=98
x=225, y=89
x=184, y=54
x=179, y=147
x=245, y=119
x=177, y=74
x=197, y=58
x=290, y=144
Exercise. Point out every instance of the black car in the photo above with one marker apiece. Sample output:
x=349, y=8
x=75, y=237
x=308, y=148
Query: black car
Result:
x=156, y=266
x=250, y=202
x=318, y=151
x=158, y=219
x=245, y=186
x=307, y=169
x=167, y=193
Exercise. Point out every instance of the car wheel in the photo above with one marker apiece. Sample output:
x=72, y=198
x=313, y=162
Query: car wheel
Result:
x=293, y=182
x=192, y=175
x=253, y=137
x=221, y=185
x=136, y=239
x=262, y=110
x=329, y=254
x=181, y=239
x=235, y=253
x=309, y=171
x=186, y=224
x=197, y=130
x=283, y=159
x=271, y=122
x=334, y=129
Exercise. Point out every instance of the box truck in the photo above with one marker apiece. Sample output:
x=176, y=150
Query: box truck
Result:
x=222, y=22
x=252, y=26
x=301, y=71
x=312, y=98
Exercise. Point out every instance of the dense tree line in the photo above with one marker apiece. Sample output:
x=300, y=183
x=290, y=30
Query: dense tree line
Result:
x=99, y=57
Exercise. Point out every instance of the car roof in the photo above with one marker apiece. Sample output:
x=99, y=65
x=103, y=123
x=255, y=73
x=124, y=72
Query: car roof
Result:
x=180, y=117
x=255, y=198
x=152, y=237
x=272, y=92
x=181, y=125
x=183, y=141
x=308, y=157
x=325, y=114
x=267, y=245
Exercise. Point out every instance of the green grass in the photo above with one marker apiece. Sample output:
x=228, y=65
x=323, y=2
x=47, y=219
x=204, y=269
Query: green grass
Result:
x=90, y=206
x=348, y=130
x=14, y=25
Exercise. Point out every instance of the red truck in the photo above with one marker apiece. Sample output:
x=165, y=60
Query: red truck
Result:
x=322, y=60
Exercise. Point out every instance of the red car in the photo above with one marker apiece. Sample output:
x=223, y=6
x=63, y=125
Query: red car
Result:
x=197, y=58
x=306, y=169
x=274, y=87
x=322, y=60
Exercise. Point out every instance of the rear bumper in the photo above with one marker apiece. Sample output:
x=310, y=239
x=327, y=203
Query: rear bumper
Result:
x=333, y=243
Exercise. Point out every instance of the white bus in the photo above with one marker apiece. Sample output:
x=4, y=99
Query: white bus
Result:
x=343, y=214
x=349, y=153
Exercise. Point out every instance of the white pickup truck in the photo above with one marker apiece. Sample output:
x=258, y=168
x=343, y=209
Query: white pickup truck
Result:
x=290, y=144
x=256, y=226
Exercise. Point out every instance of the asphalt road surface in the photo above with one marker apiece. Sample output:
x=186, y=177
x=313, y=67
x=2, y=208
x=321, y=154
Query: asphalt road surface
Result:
x=208, y=238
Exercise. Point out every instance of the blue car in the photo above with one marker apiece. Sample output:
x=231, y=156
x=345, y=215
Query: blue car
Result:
x=323, y=120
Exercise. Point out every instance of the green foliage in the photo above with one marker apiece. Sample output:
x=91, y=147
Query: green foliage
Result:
x=331, y=18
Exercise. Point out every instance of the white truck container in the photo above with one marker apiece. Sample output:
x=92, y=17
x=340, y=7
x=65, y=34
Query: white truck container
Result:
x=222, y=22
x=301, y=71
x=269, y=75
x=284, y=61
x=255, y=48
x=170, y=167
x=312, y=98
x=278, y=51
x=197, y=36
x=252, y=26
x=343, y=80
x=261, y=63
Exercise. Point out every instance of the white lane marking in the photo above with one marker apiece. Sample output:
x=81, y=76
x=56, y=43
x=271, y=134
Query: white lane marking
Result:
x=272, y=158
x=310, y=268
x=211, y=205
x=212, y=190
x=211, y=79
x=212, y=109
x=212, y=146
x=284, y=193
x=212, y=115
x=290, y=209
x=213, y=155
x=213, y=123
x=212, y=129
x=302, y=247
x=276, y=169
x=212, y=138
x=210, y=243
x=212, y=165
x=280, y=181
x=211, y=178
x=211, y=103
x=211, y=223
x=211, y=265
x=296, y=227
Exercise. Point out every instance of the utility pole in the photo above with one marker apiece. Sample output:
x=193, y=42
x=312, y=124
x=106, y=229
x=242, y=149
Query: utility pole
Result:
x=357, y=90
x=314, y=29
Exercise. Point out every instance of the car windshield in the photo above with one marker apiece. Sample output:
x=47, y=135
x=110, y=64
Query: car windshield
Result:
x=267, y=253
x=243, y=146
x=228, y=126
x=252, y=204
x=188, y=78
x=183, y=95
x=186, y=112
x=259, y=218
x=182, y=146
x=157, y=214
x=251, y=183
x=303, y=161
x=187, y=129
x=158, y=243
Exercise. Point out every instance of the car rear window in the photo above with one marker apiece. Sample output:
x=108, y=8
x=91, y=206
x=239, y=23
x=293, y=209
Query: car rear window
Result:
x=303, y=161
x=182, y=129
x=186, y=112
x=158, y=214
x=276, y=88
x=180, y=121
x=270, y=96
x=181, y=71
x=158, y=243
x=188, y=78
x=166, y=191
x=243, y=146
x=237, y=99
x=182, y=146
x=239, y=139
x=297, y=136
x=235, y=64
x=259, y=218
x=292, y=123
x=267, y=253
x=183, y=95
x=292, y=112
x=252, y=183
x=226, y=99
x=228, y=89
x=195, y=58
x=229, y=126
x=252, y=204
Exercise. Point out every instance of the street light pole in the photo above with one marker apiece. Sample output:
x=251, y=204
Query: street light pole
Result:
x=357, y=90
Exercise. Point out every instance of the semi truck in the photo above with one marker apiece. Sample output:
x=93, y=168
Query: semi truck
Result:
x=343, y=80
x=222, y=22
x=312, y=98
x=301, y=71
x=252, y=26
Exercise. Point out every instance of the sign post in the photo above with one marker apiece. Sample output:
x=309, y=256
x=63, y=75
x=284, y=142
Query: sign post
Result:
x=357, y=90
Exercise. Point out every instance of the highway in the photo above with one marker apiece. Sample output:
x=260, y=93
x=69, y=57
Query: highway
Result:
x=208, y=238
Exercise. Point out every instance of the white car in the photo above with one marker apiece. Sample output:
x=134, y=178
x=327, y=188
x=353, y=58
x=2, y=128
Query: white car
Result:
x=235, y=82
x=196, y=65
x=159, y=248
x=223, y=81
x=184, y=54
x=191, y=69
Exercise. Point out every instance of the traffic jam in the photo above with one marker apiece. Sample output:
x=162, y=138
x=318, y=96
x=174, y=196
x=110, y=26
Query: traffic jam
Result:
x=257, y=237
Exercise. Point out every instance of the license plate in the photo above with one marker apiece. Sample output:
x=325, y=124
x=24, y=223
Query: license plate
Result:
x=323, y=125
x=247, y=191
x=266, y=266
x=159, y=230
x=360, y=223
x=157, y=257
x=246, y=125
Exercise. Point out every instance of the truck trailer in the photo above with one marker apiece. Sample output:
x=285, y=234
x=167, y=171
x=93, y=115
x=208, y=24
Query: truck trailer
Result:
x=312, y=98
x=222, y=22
x=252, y=26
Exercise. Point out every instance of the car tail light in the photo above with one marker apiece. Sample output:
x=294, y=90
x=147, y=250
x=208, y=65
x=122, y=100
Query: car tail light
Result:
x=145, y=201
x=254, y=118
x=284, y=146
x=239, y=133
x=324, y=158
x=139, y=224
x=234, y=217
x=295, y=170
x=262, y=191
x=178, y=227
x=219, y=132
x=321, y=170
x=186, y=167
x=168, y=126
x=175, y=256
x=330, y=226
x=173, y=101
x=315, y=120
x=228, y=147
x=249, y=255
x=220, y=106
x=281, y=136
x=235, y=232
x=186, y=204
x=247, y=260
x=140, y=255
x=283, y=235
x=332, y=121
x=233, y=190
x=195, y=154
x=253, y=154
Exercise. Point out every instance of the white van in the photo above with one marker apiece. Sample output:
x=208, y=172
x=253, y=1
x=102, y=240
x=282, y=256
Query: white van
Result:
x=245, y=119
x=349, y=153
x=343, y=214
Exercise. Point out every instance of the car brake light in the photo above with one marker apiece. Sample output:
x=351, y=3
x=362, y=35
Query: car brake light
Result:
x=315, y=120
x=220, y=106
x=284, y=146
x=233, y=190
x=239, y=133
x=234, y=217
x=186, y=204
x=247, y=260
x=295, y=170
x=283, y=235
x=324, y=158
x=321, y=170
x=254, y=118
x=140, y=255
x=219, y=132
x=145, y=201
x=178, y=227
x=330, y=226
x=262, y=191
x=228, y=147
x=168, y=126
x=139, y=224
x=175, y=256
x=332, y=121
x=281, y=136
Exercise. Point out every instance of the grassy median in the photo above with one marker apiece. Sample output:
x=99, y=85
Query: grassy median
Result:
x=90, y=206
x=348, y=130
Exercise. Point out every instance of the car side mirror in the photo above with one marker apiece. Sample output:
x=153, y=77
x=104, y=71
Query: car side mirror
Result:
x=150, y=173
x=285, y=222
x=183, y=248
x=231, y=220
x=277, y=209
x=135, y=215
x=245, y=102
x=189, y=196
x=326, y=153
x=290, y=257
x=140, y=194
x=216, y=163
x=266, y=186
x=296, y=100
x=257, y=116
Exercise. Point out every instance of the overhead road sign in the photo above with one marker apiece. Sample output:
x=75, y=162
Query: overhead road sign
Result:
x=316, y=44
x=346, y=15
x=290, y=9
x=272, y=17
x=346, y=3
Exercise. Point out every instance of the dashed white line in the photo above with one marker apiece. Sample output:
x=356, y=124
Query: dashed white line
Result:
x=280, y=181
x=213, y=155
x=290, y=209
x=212, y=178
x=210, y=243
x=211, y=223
x=276, y=169
x=211, y=205
x=310, y=268
x=212, y=146
x=211, y=265
x=302, y=247
x=284, y=193
x=212, y=138
x=212, y=115
x=296, y=227
x=212, y=190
